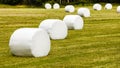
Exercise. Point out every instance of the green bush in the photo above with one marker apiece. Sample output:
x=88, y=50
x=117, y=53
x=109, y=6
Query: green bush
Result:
x=63, y=2
x=10, y=2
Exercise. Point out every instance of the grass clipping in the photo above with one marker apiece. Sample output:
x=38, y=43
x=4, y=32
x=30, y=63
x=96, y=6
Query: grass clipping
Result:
x=56, y=28
x=97, y=7
x=69, y=8
x=30, y=42
x=84, y=12
x=73, y=22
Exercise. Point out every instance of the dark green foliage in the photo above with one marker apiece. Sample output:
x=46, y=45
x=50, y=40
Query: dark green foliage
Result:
x=11, y=2
x=105, y=1
x=33, y=2
x=63, y=2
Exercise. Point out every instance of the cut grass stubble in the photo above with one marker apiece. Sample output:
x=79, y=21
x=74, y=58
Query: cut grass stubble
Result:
x=97, y=45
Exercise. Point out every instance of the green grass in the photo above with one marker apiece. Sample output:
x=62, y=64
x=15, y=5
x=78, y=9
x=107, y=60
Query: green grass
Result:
x=96, y=46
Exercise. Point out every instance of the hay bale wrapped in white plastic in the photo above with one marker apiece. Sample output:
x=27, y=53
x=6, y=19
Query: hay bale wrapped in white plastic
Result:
x=48, y=6
x=85, y=12
x=97, y=7
x=56, y=6
x=56, y=28
x=69, y=8
x=118, y=9
x=108, y=6
x=30, y=42
x=74, y=21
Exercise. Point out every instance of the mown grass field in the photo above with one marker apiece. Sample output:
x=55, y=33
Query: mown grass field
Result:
x=97, y=45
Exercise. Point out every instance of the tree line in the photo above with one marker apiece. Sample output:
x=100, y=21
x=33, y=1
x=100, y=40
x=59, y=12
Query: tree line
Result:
x=62, y=2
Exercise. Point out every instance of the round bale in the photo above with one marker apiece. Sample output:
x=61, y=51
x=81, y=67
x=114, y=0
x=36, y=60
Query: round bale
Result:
x=48, y=6
x=73, y=21
x=97, y=7
x=118, y=9
x=30, y=42
x=108, y=6
x=56, y=6
x=69, y=8
x=56, y=28
x=84, y=12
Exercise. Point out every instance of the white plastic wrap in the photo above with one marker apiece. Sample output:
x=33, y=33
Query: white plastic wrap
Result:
x=56, y=6
x=118, y=9
x=74, y=22
x=69, y=8
x=56, y=28
x=108, y=6
x=30, y=42
x=85, y=12
x=97, y=7
x=48, y=6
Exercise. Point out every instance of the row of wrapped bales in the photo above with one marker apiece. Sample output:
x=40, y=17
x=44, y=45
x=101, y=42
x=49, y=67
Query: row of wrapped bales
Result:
x=98, y=6
x=36, y=41
x=71, y=8
x=108, y=6
x=84, y=12
x=49, y=6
